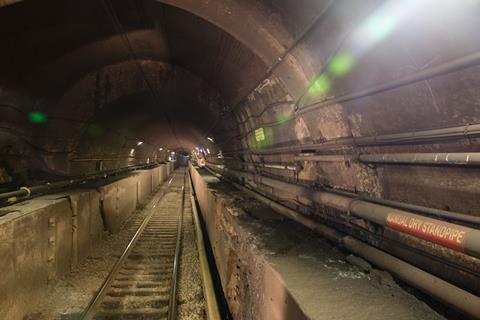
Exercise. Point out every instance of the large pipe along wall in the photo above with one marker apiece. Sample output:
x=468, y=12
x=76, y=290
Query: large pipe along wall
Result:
x=448, y=250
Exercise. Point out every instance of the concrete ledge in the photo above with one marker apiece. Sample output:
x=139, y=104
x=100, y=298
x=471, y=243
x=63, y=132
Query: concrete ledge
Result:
x=272, y=268
x=43, y=238
x=120, y=198
x=36, y=246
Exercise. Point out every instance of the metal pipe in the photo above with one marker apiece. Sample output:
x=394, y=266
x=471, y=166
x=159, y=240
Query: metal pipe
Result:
x=213, y=312
x=271, y=166
x=280, y=59
x=426, y=282
x=89, y=311
x=26, y=192
x=465, y=131
x=451, y=66
x=449, y=235
x=324, y=158
x=461, y=217
x=457, y=159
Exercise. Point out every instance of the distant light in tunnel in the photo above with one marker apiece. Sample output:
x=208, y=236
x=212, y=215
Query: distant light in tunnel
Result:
x=139, y=143
x=160, y=149
x=341, y=64
x=211, y=139
x=37, y=117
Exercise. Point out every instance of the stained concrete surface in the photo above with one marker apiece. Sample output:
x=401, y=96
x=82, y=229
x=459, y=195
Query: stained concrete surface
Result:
x=45, y=237
x=273, y=268
x=66, y=298
x=191, y=303
x=36, y=246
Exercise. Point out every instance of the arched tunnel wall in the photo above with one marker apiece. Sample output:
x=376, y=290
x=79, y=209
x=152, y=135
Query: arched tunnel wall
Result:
x=295, y=80
x=368, y=98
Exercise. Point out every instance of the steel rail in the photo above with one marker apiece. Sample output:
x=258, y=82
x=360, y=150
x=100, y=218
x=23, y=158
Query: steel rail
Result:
x=172, y=306
x=213, y=312
x=90, y=310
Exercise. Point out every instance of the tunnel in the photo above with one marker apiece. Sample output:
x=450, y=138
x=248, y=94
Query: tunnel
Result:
x=239, y=159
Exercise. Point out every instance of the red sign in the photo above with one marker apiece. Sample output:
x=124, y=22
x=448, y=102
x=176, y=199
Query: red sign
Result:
x=443, y=233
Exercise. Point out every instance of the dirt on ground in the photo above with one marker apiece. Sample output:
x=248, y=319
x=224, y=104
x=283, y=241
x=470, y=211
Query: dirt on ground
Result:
x=191, y=303
x=66, y=298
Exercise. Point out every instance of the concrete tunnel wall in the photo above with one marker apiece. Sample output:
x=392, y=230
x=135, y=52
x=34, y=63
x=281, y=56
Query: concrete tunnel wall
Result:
x=252, y=287
x=44, y=238
x=273, y=268
x=228, y=68
x=274, y=84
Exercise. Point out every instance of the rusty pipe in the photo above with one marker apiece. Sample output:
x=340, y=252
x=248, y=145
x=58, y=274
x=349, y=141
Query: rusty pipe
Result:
x=449, y=235
x=426, y=282
x=464, y=131
x=26, y=192
x=459, y=159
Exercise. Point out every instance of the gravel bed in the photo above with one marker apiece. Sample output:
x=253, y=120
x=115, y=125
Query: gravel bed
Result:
x=191, y=303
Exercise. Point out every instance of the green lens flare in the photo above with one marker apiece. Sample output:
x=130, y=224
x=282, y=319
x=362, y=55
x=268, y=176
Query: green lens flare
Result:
x=37, y=117
x=341, y=64
x=320, y=86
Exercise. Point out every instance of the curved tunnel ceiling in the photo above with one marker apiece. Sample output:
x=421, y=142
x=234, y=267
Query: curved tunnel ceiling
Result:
x=110, y=73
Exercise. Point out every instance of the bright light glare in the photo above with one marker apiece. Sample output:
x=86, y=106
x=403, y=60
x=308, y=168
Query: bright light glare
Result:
x=211, y=139
x=379, y=27
x=132, y=152
x=341, y=64
x=320, y=86
x=139, y=143
x=160, y=149
x=208, y=151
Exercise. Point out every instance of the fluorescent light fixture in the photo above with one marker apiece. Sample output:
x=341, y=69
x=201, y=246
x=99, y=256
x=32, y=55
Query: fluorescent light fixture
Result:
x=132, y=151
x=211, y=139
x=208, y=151
x=139, y=143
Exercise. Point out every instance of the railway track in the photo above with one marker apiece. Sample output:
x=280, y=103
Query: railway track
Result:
x=142, y=284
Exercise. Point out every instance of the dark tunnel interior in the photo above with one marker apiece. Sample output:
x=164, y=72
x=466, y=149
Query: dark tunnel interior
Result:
x=374, y=100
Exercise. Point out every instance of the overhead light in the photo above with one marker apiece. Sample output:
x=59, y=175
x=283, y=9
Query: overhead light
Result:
x=211, y=139
x=208, y=151
x=132, y=151
x=160, y=149
x=139, y=143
